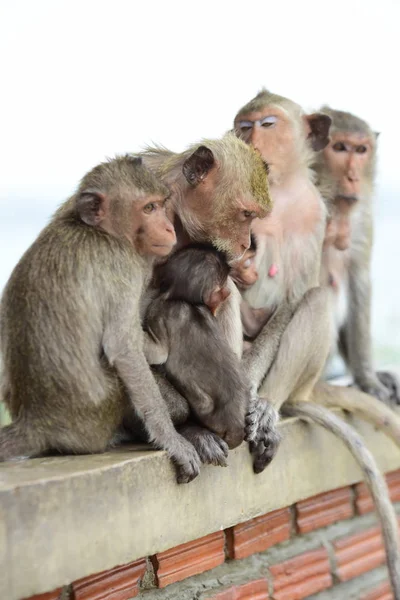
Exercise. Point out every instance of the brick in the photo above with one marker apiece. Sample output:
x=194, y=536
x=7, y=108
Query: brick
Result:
x=359, y=553
x=54, y=595
x=254, y=590
x=382, y=592
x=324, y=509
x=258, y=534
x=120, y=583
x=189, y=559
x=301, y=576
x=364, y=502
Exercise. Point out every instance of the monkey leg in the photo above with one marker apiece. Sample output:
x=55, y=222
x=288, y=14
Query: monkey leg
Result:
x=373, y=478
x=178, y=407
x=258, y=358
x=365, y=406
x=302, y=352
x=210, y=448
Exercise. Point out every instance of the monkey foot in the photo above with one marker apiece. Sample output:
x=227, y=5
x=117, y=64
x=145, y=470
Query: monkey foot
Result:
x=391, y=383
x=384, y=386
x=211, y=449
x=186, y=460
x=261, y=432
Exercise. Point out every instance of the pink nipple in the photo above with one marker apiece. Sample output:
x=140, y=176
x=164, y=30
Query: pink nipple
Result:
x=272, y=271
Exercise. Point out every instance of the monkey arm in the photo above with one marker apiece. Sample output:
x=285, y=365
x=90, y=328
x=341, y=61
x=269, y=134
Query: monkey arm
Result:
x=124, y=351
x=258, y=359
x=373, y=478
x=156, y=352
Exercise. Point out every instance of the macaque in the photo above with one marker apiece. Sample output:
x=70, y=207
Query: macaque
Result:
x=288, y=259
x=70, y=331
x=218, y=188
x=244, y=274
x=289, y=241
x=348, y=165
x=183, y=319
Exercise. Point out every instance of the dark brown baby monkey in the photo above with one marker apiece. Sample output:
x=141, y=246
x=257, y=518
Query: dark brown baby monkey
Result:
x=183, y=323
x=70, y=332
x=186, y=322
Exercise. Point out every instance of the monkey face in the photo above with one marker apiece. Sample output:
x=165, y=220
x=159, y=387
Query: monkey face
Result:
x=153, y=234
x=348, y=156
x=226, y=214
x=271, y=132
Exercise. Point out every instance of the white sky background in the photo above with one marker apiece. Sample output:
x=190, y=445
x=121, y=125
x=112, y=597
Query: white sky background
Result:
x=85, y=79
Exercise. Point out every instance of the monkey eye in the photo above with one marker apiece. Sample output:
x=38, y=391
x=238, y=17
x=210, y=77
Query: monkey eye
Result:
x=245, y=125
x=268, y=121
x=150, y=207
x=249, y=214
x=247, y=263
x=339, y=147
x=361, y=149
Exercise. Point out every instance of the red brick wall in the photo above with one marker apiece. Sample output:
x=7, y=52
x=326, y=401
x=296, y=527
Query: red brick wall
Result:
x=327, y=565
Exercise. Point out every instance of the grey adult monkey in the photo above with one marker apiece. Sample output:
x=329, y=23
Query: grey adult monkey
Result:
x=348, y=166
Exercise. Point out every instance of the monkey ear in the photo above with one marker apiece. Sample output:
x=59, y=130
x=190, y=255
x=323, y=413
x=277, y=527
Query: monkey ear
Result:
x=318, y=126
x=92, y=207
x=196, y=167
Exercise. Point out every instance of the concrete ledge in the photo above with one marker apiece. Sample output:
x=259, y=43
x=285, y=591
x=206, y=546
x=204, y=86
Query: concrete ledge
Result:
x=64, y=518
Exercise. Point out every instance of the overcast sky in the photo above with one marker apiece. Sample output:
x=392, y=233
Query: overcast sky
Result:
x=85, y=79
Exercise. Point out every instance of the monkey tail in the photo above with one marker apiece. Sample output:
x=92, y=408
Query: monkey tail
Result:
x=363, y=405
x=16, y=441
x=373, y=478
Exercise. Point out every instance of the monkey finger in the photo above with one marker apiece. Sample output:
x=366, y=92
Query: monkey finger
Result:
x=186, y=473
x=212, y=450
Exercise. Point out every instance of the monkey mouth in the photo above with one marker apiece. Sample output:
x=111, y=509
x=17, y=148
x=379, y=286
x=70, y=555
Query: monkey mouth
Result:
x=348, y=198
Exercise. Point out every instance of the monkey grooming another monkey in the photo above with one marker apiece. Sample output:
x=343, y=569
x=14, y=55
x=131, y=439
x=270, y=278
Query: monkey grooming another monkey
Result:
x=70, y=331
x=348, y=165
x=288, y=260
x=219, y=187
x=192, y=286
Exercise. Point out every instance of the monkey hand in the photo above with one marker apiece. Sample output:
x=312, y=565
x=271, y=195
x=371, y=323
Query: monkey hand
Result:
x=261, y=432
x=212, y=449
x=186, y=460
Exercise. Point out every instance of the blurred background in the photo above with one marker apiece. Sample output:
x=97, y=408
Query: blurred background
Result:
x=85, y=79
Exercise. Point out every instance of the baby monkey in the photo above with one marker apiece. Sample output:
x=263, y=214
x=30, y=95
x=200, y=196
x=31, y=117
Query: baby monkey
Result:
x=188, y=331
x=244, y=273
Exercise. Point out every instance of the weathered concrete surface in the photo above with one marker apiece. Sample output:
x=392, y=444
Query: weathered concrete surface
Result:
x=68, y=517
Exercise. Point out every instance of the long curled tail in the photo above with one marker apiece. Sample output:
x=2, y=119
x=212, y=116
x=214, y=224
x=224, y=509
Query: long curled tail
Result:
x=16, y=441
x=373, y=478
